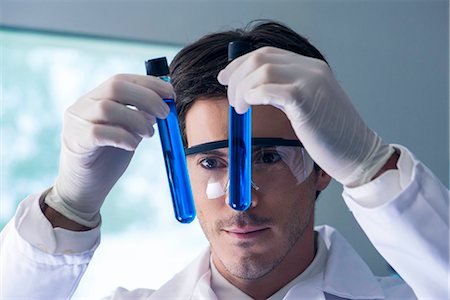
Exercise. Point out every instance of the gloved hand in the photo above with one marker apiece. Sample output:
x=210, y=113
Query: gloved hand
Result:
x=320, y=112
x=99, y=136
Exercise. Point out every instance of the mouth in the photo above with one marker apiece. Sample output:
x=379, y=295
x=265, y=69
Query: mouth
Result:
x=245, y=233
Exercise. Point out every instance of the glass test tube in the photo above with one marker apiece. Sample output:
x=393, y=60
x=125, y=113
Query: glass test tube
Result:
x=173, y=150
x=239, y=145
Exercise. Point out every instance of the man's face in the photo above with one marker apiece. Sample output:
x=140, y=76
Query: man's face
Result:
x=250, y=244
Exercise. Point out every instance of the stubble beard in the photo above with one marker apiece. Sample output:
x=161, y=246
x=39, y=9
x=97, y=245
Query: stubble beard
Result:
x=256, y=266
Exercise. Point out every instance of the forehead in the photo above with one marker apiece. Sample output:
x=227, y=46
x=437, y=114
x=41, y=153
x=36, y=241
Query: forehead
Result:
x=207, y=121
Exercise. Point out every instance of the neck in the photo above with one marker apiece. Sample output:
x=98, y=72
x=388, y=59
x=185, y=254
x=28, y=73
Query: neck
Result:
x=293, y=264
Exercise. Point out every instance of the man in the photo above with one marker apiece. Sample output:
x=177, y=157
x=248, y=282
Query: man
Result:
x=272, y=250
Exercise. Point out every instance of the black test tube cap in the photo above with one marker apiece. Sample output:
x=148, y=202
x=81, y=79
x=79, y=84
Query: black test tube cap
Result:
x=157, y=67
x=239, y=48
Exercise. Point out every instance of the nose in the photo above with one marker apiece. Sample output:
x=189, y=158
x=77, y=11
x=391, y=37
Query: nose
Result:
x=254, y=195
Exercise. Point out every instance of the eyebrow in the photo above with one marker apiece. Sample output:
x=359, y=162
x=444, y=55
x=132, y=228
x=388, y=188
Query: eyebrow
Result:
x=210, y=152
x=264, y=142
x=206, y=147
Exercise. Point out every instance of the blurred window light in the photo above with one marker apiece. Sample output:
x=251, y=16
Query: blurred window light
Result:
x=41, y=75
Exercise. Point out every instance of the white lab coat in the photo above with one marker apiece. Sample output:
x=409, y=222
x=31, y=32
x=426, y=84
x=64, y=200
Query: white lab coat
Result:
x=405, y=213
x=343, y=268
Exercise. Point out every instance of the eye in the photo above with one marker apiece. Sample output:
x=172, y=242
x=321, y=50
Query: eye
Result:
x=211, y=163
x=267, y=157
x=271, y=157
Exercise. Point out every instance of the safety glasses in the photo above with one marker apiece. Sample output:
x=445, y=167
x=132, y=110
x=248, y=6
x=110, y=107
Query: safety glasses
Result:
x=278, y=166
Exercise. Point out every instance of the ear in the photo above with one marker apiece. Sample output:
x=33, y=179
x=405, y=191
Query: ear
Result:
x=322, y=181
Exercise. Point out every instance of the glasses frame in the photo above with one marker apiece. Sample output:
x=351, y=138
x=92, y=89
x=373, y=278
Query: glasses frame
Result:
x=261, y=142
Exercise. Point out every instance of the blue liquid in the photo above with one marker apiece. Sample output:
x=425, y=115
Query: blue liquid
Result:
x=240, y=159
x=174, y=158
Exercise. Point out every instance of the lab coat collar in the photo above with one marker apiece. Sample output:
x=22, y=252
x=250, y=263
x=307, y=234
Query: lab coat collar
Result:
x=193, y=282
x=346, y=275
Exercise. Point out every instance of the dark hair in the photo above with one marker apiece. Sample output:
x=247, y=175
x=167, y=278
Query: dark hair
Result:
x=195, y=68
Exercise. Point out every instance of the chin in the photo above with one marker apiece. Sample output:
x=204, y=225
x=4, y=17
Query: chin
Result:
x=250, y=266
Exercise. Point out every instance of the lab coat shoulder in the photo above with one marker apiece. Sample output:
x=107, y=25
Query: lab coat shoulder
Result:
x=347, y=276
x=41, y=262
x=409, y=225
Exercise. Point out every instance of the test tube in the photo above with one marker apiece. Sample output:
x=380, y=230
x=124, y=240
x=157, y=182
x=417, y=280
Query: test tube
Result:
x=239, y=144
x=173, y=150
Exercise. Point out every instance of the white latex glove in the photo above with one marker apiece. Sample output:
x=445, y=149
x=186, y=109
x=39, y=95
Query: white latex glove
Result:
x=320, y=112
x=100, y=134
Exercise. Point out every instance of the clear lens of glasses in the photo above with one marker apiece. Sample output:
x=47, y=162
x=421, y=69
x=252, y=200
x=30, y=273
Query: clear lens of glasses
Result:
x=275, y=169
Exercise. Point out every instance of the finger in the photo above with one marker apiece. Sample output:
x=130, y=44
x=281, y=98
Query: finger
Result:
x=277, y=95
x=81, y=136
x=161, y=87
x=128, y=93
x=250, y=60
x=113, y=113
x=255, y=63
x=102, y=135
x=265, y=74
